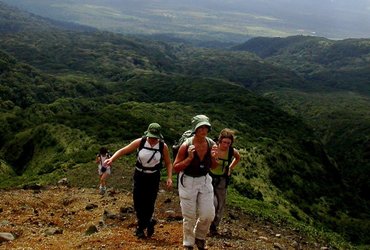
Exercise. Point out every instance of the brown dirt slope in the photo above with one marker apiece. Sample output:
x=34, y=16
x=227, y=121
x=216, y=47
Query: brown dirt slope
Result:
x=75, y=218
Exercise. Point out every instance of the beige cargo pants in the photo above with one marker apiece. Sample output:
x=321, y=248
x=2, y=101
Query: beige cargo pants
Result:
x=198, y=211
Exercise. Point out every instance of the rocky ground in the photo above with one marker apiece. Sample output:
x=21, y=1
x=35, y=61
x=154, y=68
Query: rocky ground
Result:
x=73, y=218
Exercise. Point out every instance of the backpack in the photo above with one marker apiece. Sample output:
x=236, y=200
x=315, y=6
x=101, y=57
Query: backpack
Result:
x=185, y=136
x=175, y=148
x=160, y=150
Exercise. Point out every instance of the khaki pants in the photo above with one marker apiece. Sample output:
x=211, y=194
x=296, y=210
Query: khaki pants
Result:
x=220, y=190
x=196, y=201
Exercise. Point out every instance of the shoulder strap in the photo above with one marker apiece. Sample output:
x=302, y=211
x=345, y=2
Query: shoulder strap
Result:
x=189, y=141
x=230, y=155
x=161, y=146
x=101, y=161
x=209, y=142
x=142, y=142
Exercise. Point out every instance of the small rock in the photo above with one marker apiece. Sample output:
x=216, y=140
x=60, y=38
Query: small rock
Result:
x=91, y=230
x=170, y=212
x=109, y=215
x=227, y=244
x=263, y=238
x=278, y=235
x=168, y=200
x=52, y=231
x=91, y=206
x=278, y=246
x=6, y=237
x=63, y=181
x=295, y=244
x=126, y=210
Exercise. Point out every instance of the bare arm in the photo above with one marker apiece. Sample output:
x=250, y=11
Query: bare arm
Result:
x=214, y=156
x=235, y=161
x=181, y=161
x=123, y=151
x=167, y=162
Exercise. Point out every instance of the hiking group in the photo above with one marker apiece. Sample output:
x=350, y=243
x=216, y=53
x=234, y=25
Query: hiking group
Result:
x=203, y=166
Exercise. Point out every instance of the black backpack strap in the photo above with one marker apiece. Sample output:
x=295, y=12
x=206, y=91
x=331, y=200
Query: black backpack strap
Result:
x=161, y=147
x=142, y=143
x=231, y=155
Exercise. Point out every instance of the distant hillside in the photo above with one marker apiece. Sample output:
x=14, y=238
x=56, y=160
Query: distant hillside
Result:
x=25, y=21
x=326, y=64
x=115, y=57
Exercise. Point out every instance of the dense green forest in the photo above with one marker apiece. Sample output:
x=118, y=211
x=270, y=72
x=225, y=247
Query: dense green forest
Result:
x=66, y=90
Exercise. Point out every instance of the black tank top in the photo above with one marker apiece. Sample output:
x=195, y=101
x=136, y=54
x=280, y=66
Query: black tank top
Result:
x=197, y=167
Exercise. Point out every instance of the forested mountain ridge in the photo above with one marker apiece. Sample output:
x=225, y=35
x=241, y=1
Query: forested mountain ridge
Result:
x=327, y=64
x=115, y=57
x=132, y=83
x=14, y=20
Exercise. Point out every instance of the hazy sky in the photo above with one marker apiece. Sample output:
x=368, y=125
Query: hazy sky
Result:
x=328, y=18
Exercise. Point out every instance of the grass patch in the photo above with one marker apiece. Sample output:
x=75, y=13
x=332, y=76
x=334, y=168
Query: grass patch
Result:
x=268, y=212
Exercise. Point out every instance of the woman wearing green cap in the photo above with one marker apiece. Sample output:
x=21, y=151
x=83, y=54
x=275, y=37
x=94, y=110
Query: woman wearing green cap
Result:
x=151, y=151
x=196, y=156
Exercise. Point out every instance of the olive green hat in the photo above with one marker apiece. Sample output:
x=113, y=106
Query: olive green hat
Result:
x=154, y=131
x=200, y=120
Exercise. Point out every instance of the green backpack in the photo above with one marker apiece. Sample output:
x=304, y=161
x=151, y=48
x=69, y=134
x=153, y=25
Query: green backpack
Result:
x=175, y=148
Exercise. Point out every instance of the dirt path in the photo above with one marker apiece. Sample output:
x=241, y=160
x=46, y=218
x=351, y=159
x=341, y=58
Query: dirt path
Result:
x=59, y=218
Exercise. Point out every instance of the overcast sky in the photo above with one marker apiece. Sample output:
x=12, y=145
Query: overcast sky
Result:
x=335, y=19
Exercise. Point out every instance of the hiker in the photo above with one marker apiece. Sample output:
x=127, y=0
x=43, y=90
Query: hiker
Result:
x=151, y=150
x=103, y=169
x=195, y=157
x=228, y=158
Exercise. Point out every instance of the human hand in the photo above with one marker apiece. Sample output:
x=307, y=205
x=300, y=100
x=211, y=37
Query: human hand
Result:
x=214, y=151
x=108, y=162
x=169, y=183
x=191, y=150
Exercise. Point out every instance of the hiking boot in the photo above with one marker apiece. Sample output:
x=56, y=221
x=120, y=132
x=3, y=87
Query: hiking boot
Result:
x=140, y=233
x=201, y=244
x=102, y=190
x=150, y=230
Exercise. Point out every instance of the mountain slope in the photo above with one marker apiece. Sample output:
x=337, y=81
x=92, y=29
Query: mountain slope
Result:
x=325, y=64
x=56, y=217
x=115, y=57
x=14, y=20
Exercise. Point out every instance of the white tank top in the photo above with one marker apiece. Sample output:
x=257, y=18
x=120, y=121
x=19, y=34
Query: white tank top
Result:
x=145, y=154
